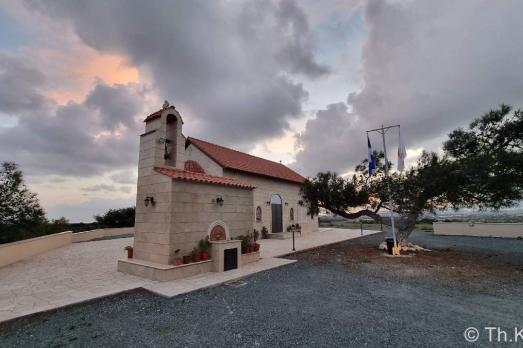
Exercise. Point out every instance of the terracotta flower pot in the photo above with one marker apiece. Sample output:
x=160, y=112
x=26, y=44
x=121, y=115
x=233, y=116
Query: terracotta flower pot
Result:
x=256, y=247
x=187, y=259
x=251, y=248
x=178, y=261
x=129, y=252
x=204, y=255
x=196, y=257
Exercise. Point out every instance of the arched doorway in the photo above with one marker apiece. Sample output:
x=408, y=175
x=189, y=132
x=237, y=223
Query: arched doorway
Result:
x=277, y=213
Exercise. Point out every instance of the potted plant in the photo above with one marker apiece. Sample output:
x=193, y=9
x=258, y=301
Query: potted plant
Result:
x=298, y=228
x=265, y=232
x=289, y=228
x=187, y=259
x=177, y=260
x=250, y=246
x=204, y=246
x=244, y=244
x=255, y=236
x=195, y=255
x=129, y=251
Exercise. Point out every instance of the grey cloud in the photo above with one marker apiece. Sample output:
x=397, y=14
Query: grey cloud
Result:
x=20, y=85
x=118, y=101
x=74, y=139
x=124, y=177
x=430, y=66
x=330, y=141
x=225, y=63
x=298, y=52
x=106, y=188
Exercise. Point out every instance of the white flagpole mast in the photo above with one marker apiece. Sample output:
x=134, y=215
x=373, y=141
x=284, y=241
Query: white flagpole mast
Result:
x=382, y=131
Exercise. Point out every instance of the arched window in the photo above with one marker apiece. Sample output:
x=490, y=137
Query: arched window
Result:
x=258, y=214
x=170, y=140
x=292, y=214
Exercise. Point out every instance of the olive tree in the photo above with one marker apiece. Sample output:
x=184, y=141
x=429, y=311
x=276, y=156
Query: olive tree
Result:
x=481, y=166
x=18, y=205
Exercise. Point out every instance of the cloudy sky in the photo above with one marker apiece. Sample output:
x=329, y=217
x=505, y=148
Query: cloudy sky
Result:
x=296, y=81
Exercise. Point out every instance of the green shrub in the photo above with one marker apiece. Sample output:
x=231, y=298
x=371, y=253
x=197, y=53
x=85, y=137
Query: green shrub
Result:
x=264, y=232
x=123, y=217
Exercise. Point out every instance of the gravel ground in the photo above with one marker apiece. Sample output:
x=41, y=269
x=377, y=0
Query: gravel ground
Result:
x=302, y=304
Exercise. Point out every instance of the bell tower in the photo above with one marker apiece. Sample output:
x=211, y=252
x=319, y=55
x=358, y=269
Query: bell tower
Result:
x=161, y=145
x=169, y=143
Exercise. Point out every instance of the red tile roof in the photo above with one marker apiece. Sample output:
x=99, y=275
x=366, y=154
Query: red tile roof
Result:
x=236, y=160
x=202, y=178
x=193, y=166
x=156, y=114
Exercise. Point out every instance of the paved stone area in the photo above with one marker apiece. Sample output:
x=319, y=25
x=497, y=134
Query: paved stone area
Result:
x=84, y=271
x=280, y=247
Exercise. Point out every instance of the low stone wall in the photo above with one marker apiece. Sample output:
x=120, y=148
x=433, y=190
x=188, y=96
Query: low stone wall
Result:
x=250, y=257
x=23, y=249
x=163, y=273
x=101, y=233
x=501, y=230
x=17, y=251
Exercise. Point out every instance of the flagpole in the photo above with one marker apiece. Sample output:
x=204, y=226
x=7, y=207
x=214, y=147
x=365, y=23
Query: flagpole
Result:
x=391, y=207
x=382, y=131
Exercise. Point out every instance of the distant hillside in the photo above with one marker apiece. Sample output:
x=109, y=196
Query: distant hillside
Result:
x=503, y=215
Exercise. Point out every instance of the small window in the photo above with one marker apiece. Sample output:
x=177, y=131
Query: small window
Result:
x=258, y=214
x=292, y=214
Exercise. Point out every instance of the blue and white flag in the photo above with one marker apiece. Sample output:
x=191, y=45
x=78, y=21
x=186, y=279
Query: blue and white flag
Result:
x=402, y=153
x=372, y=158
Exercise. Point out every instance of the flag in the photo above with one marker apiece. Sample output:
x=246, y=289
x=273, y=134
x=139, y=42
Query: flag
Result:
x=372, y=158
x=402, y=153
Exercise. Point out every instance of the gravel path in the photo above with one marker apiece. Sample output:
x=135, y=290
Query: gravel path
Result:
x=302, y=304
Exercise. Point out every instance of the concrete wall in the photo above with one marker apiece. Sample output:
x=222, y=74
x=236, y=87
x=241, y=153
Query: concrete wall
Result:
x=503, y=230
x=17, y=251
x=101, y=233
x=289, y=192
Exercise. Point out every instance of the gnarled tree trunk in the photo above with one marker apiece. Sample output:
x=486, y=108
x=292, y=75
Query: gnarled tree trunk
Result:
x=404, y=223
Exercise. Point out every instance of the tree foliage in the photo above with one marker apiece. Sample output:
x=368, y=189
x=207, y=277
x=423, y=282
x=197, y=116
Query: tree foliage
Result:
x=18, y=205
x=123, y=217
x=490, y=153
x=482, y=166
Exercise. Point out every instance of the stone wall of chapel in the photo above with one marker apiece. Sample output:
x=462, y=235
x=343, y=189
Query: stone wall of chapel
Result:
x=194, y=209
x=290, y=194
x=152, y=223
x=210, y=166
